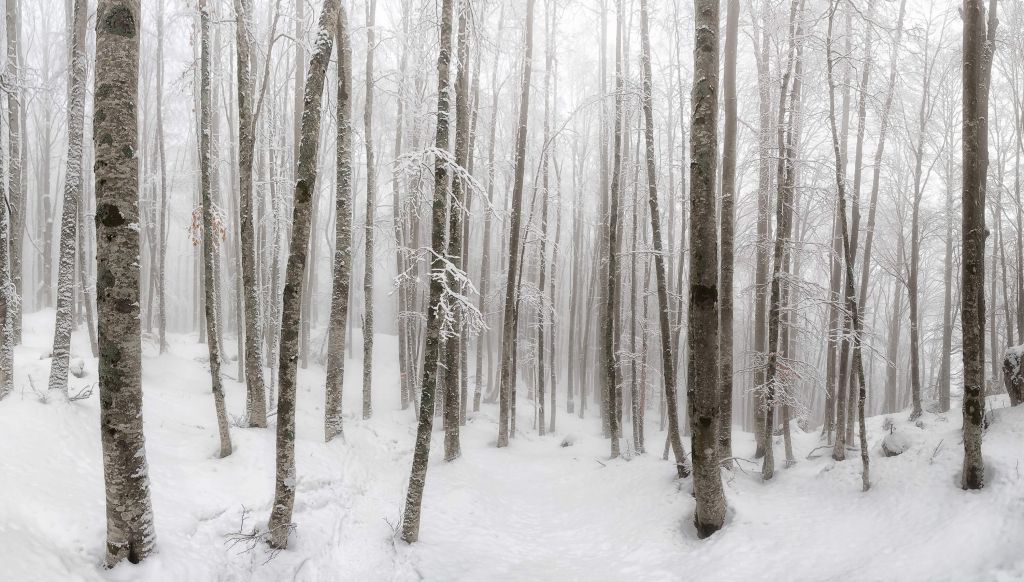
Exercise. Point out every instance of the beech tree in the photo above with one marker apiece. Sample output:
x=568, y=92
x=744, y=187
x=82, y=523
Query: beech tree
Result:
x=73, y=180
x=703, y=380
x=130, y=532
x=280, y=525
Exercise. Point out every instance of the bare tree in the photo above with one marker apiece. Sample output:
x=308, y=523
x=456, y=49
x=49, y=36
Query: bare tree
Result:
x=975, y=162
x=506, y=408
x=255, y=404
x=725, y=285
x=73, y=180
x=280, y=525
x=342, y=264
x=371, y=202
x=439, y=227
x=703, y=379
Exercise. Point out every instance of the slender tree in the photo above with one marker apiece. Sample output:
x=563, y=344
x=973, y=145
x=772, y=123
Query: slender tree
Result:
x=255, y=404
x=371, y=202
x=725, y=285
x=212, y=230
x=668, y=369
x=73, y=180
x=342, y=264
x=506, y=406
x=16, y=155
x=439, y=227
x=280, y=525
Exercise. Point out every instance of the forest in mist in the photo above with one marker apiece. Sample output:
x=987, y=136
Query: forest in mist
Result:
x=496, y=289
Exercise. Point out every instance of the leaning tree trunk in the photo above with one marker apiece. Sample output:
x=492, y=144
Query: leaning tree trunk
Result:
x=668, y=368
x=72, y=198
x=343, y=239
x=784, y=219
x=280, y=524
x=851, y=296
x=130, y=532
x=212, y=230
x=371, y=201
x=702, y=382
x=511, y=311
x=432, y=349
x=255, y=403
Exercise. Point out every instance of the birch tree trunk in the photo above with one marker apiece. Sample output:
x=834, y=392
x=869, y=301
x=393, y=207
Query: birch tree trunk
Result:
x=432, y=340
x=703, y=382
x=73, y=180
x=280, y=525
x=130, y=532
x=342, y=267
x=255, y=404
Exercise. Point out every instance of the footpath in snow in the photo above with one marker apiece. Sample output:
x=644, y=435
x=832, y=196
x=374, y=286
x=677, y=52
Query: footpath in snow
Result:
x=536, y=511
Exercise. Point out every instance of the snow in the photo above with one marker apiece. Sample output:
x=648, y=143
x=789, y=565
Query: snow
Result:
x=534, y=511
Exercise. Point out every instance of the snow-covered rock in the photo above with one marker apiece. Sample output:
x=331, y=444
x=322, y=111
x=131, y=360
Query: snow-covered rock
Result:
x=77, y=367
x=896, y=443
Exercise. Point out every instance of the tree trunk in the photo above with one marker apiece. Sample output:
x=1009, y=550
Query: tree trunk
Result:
x=851, y=297
x=506, y=404
x=725, y=321
x=213, y=229
x=130, y=532
x=73, y=180
x=451, y=366
x=764, y=186
x=975, y=162
x=439, y=226
x=280, y=525
x=342, y=267
x=703, y=382
x=668, y=369
x=371, y=202
x=16, y=155
x=255, y=404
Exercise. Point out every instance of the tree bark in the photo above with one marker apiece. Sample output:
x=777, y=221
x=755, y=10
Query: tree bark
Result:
x=725, y=320
x=452, y=366
x=668, y=369
x=73, y=180
x=371, y=202
x=280, y=525
x=432, y=340
x=703, y=383
x=16, y=155
x=130, y=532
x=506, y=404
x=342, y=262
x=255, y=404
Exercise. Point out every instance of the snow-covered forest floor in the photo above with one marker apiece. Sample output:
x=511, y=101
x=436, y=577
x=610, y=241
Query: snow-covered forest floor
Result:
x=534, y=511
